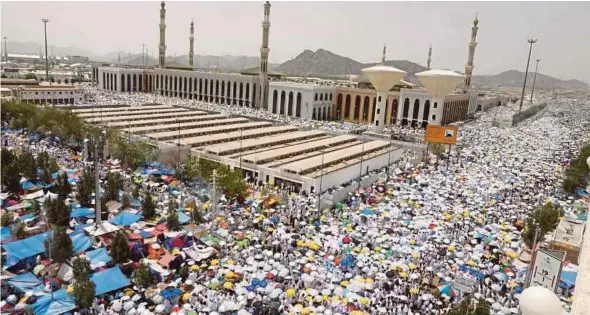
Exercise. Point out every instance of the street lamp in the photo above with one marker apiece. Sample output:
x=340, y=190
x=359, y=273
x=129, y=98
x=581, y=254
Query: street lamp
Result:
x=535, y=79
x=526, y=72
x=46, y=61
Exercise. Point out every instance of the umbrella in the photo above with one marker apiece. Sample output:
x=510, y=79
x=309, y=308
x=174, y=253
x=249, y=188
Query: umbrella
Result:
x=171, y=292
x=448, y=290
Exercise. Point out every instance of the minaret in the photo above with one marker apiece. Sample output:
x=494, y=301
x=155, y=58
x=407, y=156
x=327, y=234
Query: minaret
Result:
x=469, y=65
x=263, y=73
x=191, y=39
x=384, y=52
x=429, y=57
x=162, y=46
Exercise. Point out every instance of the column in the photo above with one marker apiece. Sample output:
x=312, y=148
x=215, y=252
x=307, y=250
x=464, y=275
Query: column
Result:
x=421, y=111
x=380, y=115
x=362, y=111
x=119, y=85
x=388, y=111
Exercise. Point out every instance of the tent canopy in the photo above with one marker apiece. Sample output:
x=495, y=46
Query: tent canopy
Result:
x=52, y=304
x=98, y=255
x=81, y=212
x=109, y=280
x=125, y=218
x=183, y=217
x=26, y=282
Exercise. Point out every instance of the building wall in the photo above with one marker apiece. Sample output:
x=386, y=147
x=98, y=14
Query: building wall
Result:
x=416, y=108
x=358, y=105
x=52, y=95
x=455, y=108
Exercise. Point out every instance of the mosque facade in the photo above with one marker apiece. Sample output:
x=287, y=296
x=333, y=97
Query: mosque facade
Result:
x=405, y=106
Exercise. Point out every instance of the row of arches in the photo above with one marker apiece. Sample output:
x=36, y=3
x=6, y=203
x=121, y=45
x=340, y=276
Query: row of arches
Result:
x=278, y=104
x=136, y=82
x=455, y=111
x=419, y=116
x=323, y=96
x=208, y=90
x=322, y=113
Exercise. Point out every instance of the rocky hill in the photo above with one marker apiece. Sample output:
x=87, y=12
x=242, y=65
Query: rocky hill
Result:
x=514, y=78
x=326, y=63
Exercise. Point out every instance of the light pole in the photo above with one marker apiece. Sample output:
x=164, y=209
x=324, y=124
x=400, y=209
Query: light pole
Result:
x=361, y=164
x=526, y=72
x=535, y=79
x=46, y=60
x=143, y=54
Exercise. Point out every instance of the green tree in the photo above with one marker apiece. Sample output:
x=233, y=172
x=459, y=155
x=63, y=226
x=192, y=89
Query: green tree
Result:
x=20, y=231
x=142, y=276
x=197, y=215
x=437, y=149
x=84, y=289
x=45, y=176
x=172, y=221
x=64, y=186
x=57, y=212
x=11, y=179
x=148, y=207
x=120, y=248
x=136, y=192
x=172, y=204
x=35, y=207
x=30, y=76
x=52, y=165
x=81, y=268
x=114, y=184
x=232, y=183
x=547, y=216
x=7, y=218
x=59, y=245
x=85, y=188
x=126, y=202
x=27, y=165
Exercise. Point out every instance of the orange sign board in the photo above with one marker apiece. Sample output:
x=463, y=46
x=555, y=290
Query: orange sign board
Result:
x=441, y=134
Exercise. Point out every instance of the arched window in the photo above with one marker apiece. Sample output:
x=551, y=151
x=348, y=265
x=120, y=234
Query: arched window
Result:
x=326, y=97
x=216, y=91
x=247, y=94
x=426, y=113
x=275, y=96
x=298, y=106
x=347, y=106
x=134, y=84
x=140, y=81
x=282, y=109
x=405, y=112
x=366, y=108
x=122, y=83
x=313, y=115
x=394, y=107
x=316, y=97
x=206, y=92
x=330, y=96
x=234, y=93
x=201, y=89
x=357, y=107
x=321, y=97
x=129, y=83
x=241, y=95
x=290, y=104
x=228, y=95
x=222, y=92
x=416, y=112
x=339, y=106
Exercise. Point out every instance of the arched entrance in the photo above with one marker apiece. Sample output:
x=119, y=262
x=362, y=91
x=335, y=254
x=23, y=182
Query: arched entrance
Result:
x=282, y=109
x=290, y=105
x=347, y=107
x=394, y=106
x=298, y=106
x=415, y=112
x=357, y=107
x=426, y=113
x=405, y=112
x=366, y=108
x=275, y=95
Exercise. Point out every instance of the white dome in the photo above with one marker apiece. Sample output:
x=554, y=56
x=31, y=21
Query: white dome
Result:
x=383, y=78
x=439, y=82
x=540, y=301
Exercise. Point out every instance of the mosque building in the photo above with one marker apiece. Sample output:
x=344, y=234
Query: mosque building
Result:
x=260, y=87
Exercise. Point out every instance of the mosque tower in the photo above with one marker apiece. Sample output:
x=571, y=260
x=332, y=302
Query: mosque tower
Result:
x=191, y=39
x=429, y=57
x=162, y=46
x=263, y=73
x=384, y=52
x=469, y=65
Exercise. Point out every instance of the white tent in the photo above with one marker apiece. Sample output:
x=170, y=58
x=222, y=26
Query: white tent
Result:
x=104, y=228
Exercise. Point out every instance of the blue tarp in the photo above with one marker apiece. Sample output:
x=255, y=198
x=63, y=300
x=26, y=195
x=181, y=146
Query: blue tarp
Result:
x=568, y=279
x=55, y=175
x=34, y=245
x=80, y=227
x=26, y=217
x=125, y=218
x=57, y=303
x=109, y=280
x=98, y=255
x=26, y=282
x=80, y=241
x=27, y=185
x=25, y=248
x=81, y=212
x=6, y=233
x=183, y=218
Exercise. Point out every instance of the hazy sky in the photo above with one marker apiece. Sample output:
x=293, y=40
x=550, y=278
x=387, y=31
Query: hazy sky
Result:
x=353, y=29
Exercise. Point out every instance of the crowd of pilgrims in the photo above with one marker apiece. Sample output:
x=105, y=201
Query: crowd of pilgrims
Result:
x=395, y=247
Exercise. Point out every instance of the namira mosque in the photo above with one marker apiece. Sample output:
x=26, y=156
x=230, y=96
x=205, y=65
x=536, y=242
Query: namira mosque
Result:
x=300, y=159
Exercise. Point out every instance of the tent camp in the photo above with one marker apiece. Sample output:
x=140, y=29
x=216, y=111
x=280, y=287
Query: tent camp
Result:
x=101, y=229
x=109, y=280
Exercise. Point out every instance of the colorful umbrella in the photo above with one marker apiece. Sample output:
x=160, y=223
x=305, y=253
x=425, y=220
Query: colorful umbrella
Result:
x=448, y=290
